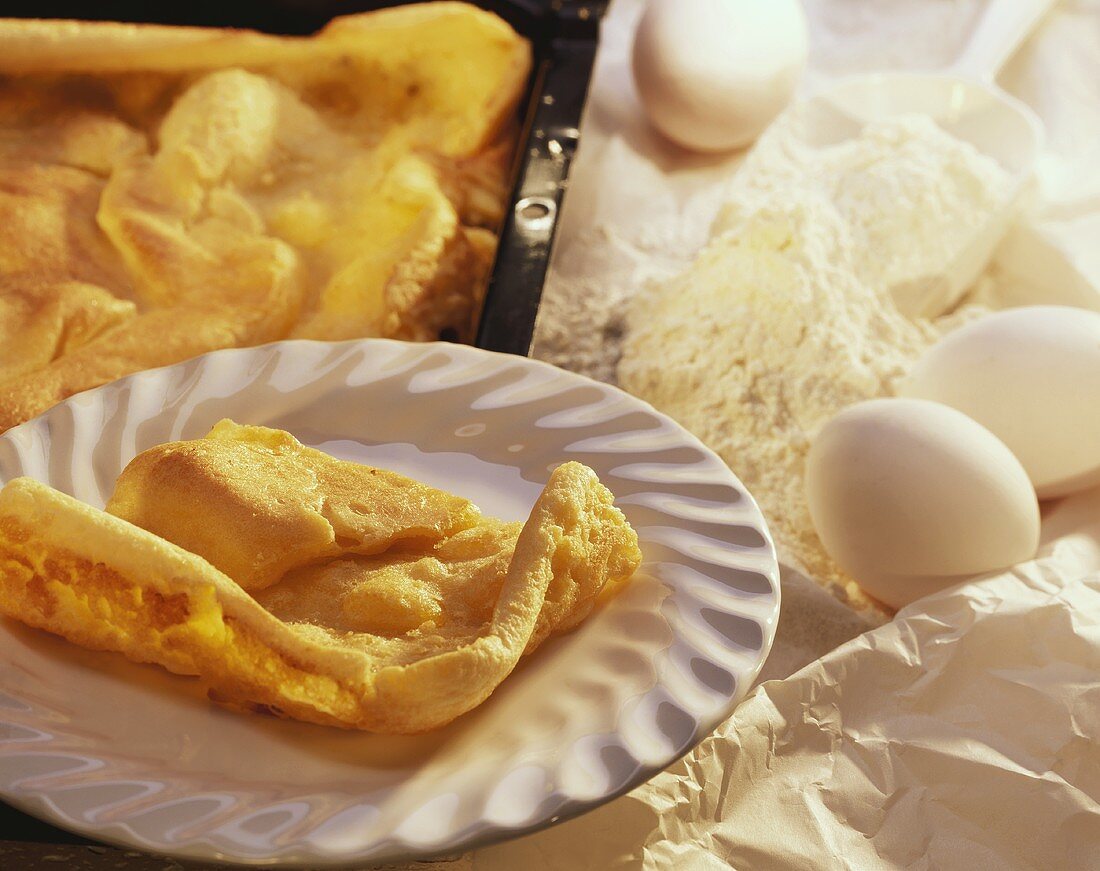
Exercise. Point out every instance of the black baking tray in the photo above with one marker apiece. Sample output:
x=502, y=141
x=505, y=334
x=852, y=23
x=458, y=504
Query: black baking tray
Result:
x=564, y=36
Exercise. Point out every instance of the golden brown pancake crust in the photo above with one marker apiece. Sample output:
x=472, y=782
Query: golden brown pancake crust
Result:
x=401, y=639
x=257, y=187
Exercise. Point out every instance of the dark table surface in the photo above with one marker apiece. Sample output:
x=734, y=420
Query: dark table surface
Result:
x=28, y=844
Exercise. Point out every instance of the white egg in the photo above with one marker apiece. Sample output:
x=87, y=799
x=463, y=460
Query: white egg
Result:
x=712, y=74
x=910, y=496
x=1032, y=377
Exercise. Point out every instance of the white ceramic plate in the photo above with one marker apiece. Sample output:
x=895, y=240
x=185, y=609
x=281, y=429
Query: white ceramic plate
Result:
x=134, y=755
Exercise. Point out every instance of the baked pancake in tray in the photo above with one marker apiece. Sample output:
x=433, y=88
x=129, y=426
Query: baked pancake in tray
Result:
x=295, y=583
x=170, y=191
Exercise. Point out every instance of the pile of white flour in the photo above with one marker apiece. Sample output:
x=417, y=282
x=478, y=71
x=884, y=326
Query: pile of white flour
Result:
x=791, y=311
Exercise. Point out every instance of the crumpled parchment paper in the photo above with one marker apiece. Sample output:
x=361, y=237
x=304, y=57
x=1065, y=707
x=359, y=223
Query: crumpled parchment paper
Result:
x=966, y=733
x=961, y=735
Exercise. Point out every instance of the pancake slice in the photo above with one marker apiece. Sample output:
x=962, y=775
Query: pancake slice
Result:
x=401, y=640
x=256, y=503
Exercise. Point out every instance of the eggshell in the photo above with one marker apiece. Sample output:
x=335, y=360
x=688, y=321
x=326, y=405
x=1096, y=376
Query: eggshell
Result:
x=1031, y=376
x=712, y=74
x=909, y=496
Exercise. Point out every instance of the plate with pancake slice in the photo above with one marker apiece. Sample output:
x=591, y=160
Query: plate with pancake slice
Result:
x=411, y=598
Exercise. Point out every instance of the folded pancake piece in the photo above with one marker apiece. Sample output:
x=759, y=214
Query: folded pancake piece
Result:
x=255, y=503
x=453, y=585
x=400, y=641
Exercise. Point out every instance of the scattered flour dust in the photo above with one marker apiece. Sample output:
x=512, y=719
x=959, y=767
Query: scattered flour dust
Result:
x=791, y=311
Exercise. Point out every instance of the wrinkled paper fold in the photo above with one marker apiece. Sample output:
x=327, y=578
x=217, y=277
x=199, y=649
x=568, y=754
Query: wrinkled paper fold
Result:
x=961, y=735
